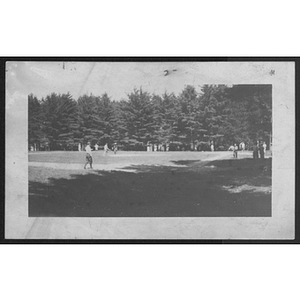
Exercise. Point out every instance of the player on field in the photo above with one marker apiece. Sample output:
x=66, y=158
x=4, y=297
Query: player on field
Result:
x=89, y=158
x=106, y=149
x=115, y=148
x=235, y=151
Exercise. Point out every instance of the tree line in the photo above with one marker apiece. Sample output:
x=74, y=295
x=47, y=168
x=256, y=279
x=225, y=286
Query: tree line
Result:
x=190, y=120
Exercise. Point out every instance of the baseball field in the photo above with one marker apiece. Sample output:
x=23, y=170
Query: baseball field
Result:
x=149, y=184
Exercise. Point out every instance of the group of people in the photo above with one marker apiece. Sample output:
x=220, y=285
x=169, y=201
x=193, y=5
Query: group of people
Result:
x=242, y=146
x=259, y=150
x=89, y=156
x=235, y=150
x=157, y=147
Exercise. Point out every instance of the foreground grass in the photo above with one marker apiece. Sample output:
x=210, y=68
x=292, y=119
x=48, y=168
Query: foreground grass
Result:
x=219, y=188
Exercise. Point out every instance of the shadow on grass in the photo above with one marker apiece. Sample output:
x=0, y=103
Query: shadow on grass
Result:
x=246, y=163
x=155, y=191
x=150, y=168
x=185, y=162
x=255, y=172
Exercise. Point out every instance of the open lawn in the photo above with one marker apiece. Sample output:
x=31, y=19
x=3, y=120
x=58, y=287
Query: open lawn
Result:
x=149, y=184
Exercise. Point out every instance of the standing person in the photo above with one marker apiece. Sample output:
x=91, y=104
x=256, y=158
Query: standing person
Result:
x=255, y=152
x=235, y=151
x=96, y=147
x=261, y=151
x=241, y=146
x=212, y=148
x=106, y=149
x=115, y=148
x=89, y=158
x=265, y=147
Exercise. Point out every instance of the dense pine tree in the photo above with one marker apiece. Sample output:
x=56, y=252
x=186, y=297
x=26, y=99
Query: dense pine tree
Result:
x=35, y=122
x=137, y=113
x=192, y=120
x=60, y=121
x=91, y=124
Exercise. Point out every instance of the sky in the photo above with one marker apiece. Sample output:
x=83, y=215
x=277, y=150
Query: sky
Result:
x=117, y=79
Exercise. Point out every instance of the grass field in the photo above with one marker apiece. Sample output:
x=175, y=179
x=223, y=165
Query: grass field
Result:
x=155, y=184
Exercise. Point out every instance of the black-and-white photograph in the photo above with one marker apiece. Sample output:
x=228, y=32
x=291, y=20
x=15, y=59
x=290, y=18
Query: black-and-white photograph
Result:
x=149, y=149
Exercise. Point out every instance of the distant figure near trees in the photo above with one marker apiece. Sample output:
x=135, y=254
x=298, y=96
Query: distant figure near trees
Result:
x=261, y=151
x=149, y=148
x=89, y=158
x=265, y=147
x=106, y=149
x=212, y=148
x=242, y=146
x=255, y=151
x=96, y=147
x=115, y=148
x=235, y=151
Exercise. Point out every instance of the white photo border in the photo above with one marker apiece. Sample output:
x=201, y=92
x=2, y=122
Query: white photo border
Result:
x=280, y=226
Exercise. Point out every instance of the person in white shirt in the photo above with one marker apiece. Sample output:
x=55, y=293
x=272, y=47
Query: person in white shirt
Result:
x=89, y=158
x=243, y=146
x=106, y=149
x=265, y=147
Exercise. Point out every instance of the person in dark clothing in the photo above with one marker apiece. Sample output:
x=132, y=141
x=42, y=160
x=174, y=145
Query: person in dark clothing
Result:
x=261, y=151
x=115, y=148
x=89, y=158
x=255, y=152
x=235, y=151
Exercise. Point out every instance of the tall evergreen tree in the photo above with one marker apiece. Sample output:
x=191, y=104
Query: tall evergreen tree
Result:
x=190, y=127
x=137, y=113
x=91, y=124
x=35, y=121
x=213, y=103
x=107, y=116
x=252, y=109
x=60, y=120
